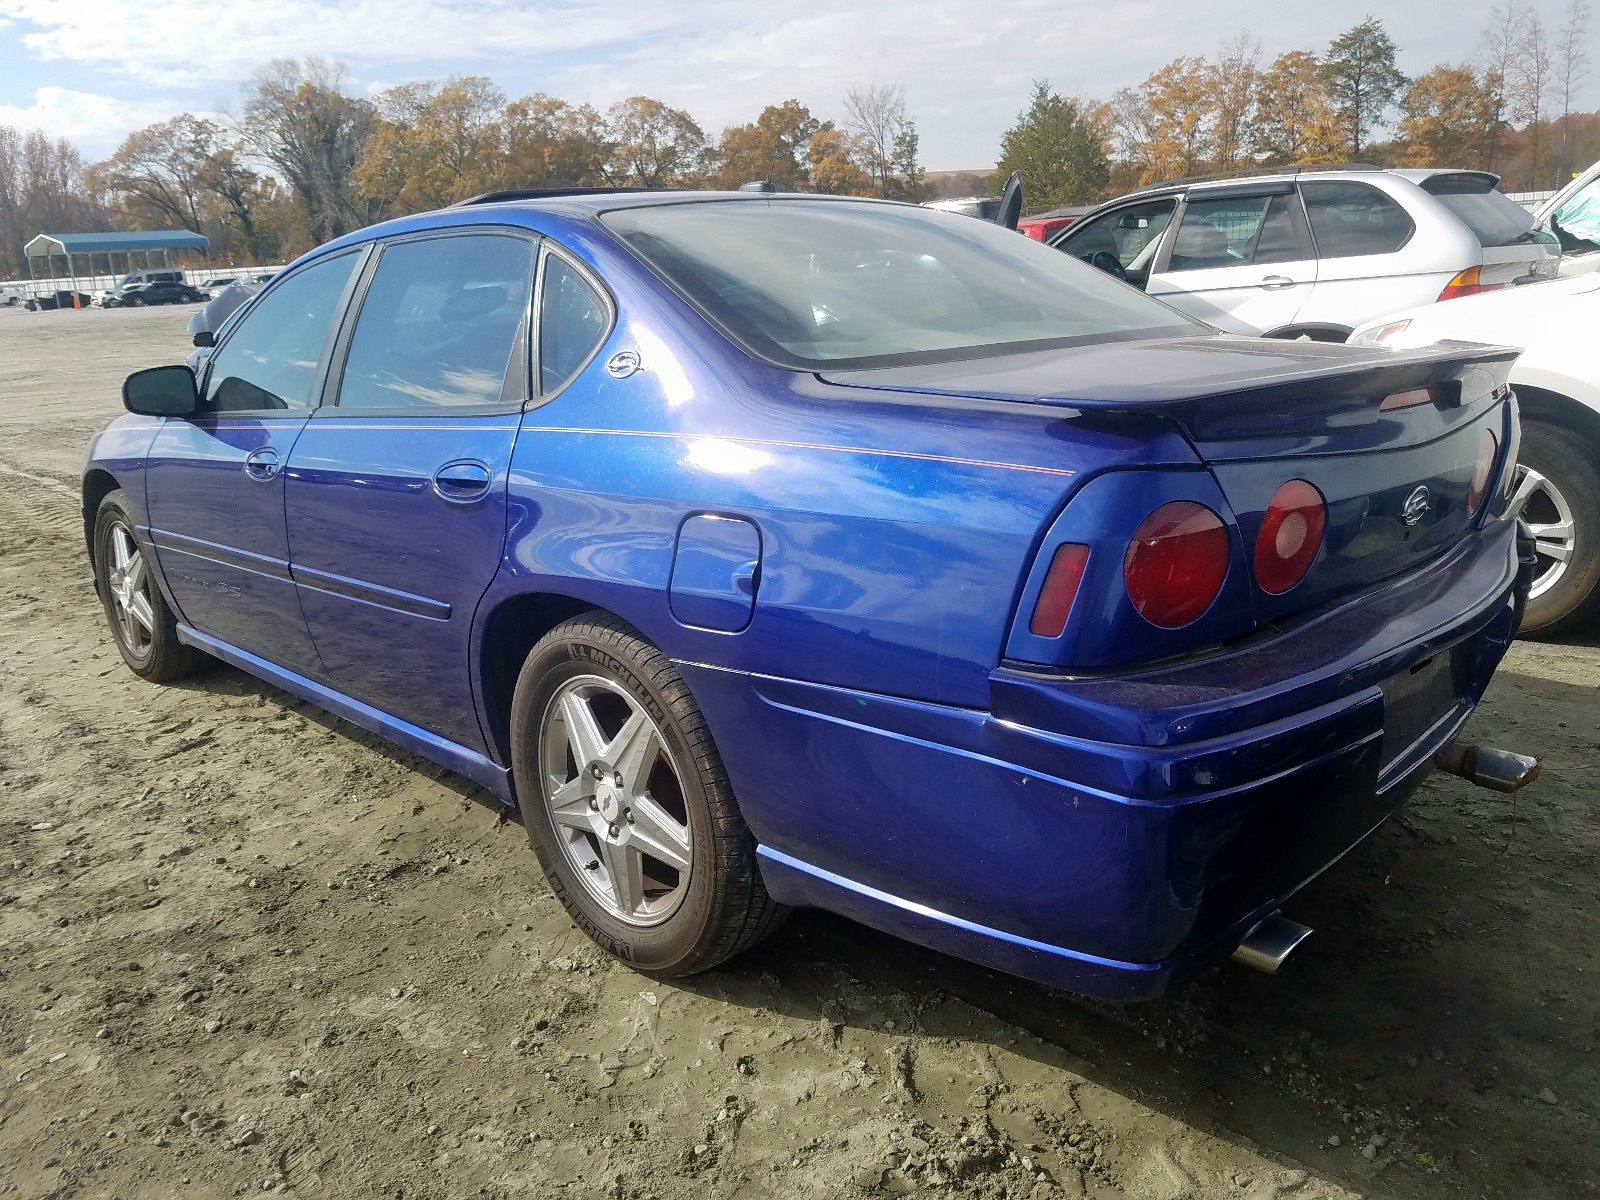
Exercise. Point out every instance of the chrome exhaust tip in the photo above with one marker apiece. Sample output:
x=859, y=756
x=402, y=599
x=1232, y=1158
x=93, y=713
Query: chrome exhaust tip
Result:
x=1497, y=770
x=1268, y=946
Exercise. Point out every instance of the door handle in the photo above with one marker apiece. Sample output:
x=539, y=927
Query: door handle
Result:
x=462, y=481
x=1276, y=283
x=262, y=463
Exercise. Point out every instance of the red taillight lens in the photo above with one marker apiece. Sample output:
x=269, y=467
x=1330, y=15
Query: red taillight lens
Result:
x=1291, y=535
x=1176, y=563
x=1482, y=468
x=1060, y=589
x=1468, y=283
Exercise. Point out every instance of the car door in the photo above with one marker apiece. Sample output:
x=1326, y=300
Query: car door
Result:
x=1575, y=221
x=214, y=480
x=396, y=489
x=1241, y=260
x=1359, y=232
x=1122, y=242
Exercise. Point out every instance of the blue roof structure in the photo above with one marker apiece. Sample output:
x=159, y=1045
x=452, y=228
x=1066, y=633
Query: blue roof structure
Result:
x=115, y=243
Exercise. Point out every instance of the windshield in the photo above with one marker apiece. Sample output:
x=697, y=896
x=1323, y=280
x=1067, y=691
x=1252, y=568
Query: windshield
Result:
x=814, y=283
x=1494, y=217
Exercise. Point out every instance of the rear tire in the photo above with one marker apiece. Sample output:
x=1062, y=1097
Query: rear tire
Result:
x=1562, y=505
x=142, y=625
x=627, y=804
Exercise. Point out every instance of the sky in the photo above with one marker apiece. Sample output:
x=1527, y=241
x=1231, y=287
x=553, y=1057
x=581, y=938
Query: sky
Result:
x=94, y=70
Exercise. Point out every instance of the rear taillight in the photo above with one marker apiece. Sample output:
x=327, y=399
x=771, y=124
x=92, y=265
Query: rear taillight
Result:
x=1060, y=589
x=1291, y=535
x=1468, y=283
x=1176, y=563
x=1482, y=469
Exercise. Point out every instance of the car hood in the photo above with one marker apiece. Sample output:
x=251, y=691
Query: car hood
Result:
x=1516, y=316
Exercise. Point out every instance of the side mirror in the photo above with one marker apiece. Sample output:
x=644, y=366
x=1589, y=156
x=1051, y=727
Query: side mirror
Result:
x=205, y=338
x=161, y=392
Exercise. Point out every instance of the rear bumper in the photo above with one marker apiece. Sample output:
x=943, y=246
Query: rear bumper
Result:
x=1112, y=834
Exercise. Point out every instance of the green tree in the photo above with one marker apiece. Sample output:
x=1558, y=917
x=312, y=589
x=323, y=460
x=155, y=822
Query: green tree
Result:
x=1058, y=148
x=1361, y=79
x=907, y=179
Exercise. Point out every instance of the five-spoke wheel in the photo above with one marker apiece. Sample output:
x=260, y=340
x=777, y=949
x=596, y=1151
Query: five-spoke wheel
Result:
x=145, y=630
x=627, y=804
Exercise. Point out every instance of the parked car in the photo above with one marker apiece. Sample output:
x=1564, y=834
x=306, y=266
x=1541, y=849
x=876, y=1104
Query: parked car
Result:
x=10, y=297
x=1572, y=215
x=213, y=286
x=1041, y=226
x=137, y=295
x=773, y=551
x=63, y=298
x=1557, y=381
x=1314, y=253
x=985, y=208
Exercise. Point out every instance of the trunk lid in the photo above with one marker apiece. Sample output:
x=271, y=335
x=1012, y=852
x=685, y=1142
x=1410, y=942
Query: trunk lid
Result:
x=1260, y=413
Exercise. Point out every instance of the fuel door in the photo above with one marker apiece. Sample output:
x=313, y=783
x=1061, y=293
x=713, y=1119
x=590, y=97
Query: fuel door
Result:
x=715, y=572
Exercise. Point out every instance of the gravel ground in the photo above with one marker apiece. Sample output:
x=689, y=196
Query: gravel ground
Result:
x=245, y=947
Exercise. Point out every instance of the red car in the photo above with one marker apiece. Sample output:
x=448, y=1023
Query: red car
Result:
x=1042, y=225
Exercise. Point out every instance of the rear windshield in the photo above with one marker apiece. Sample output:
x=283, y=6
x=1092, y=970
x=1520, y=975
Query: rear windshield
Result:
x=813, y=283
x=1496, y=218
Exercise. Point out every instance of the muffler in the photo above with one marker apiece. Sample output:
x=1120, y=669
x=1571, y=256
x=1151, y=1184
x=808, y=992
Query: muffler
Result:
x=1268, y=946
x=1497, y=770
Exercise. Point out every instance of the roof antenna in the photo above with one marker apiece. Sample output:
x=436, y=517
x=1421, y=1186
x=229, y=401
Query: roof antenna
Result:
x=759, y=185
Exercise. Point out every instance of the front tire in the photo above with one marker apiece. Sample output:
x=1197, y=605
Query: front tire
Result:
x=1558, y=494
x=142, y=625
x=627, y=804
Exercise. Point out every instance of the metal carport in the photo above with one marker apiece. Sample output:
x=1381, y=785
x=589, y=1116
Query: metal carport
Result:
x=76, y=249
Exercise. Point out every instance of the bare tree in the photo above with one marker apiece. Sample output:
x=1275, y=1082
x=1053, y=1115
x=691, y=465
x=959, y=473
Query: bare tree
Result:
x=878, y=113
x=1571, y=67
x=1231, y=80
x=1499, y=48
x=1529, y=86
x=298, y=117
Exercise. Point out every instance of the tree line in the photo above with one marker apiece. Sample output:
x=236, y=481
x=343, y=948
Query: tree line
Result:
x=304, y=160
x=1511, y=110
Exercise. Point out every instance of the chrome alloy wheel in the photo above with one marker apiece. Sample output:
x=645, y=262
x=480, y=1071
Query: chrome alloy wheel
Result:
x=1549, y=517
x=129, y=584
x=615, y=799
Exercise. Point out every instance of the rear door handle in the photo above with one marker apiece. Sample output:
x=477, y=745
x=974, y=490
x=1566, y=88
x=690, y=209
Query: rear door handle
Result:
x=463, y=480
x=1274, y=283
x=262, y=463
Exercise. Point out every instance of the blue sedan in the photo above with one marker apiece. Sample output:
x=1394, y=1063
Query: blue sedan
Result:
x=771, y=551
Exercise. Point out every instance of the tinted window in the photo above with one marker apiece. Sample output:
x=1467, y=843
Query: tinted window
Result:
x=1129, y=234
x=572, y=321
x=1217, y=233
x=271, y=359
x=1494, y=218
x=440, y=324
x=812, y=283
x=1349, y=219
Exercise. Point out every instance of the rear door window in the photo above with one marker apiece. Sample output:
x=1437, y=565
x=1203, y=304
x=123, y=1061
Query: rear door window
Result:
x=573, y=321
x=1351, y=219
x=442, y=326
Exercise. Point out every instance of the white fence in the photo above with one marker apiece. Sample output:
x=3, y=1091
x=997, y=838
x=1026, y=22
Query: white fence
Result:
x=95, y=284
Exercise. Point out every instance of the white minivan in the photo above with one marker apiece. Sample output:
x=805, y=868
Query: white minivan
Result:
x=1314, y=252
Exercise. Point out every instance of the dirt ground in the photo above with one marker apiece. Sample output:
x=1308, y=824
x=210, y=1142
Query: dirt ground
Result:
x=245, y=947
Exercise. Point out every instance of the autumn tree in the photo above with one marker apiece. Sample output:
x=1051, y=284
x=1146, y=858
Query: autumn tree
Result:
x=432, y=145
x=1362, y=80
x=1293, y=121
x=840, y=163
x=158, y=172
x=1057, y=147
x=653, y=145
x=547, y=142
x=1164, y=125
x=774, y=147
x=1446, y=118
x=300, y=120
x=1230, y=85
x=42, y=187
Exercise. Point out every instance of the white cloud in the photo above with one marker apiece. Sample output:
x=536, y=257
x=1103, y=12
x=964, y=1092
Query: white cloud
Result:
x=96, y=123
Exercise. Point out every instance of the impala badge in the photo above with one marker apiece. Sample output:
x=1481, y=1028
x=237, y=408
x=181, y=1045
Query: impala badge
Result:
x=623, y=363
x=1416, y=505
